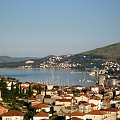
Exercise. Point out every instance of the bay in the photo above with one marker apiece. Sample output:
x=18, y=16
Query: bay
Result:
x=50, y=76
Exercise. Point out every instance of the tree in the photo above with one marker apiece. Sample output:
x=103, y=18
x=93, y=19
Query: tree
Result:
x=17, y=90
x=39, y=90
x=45, y=90
x=114, y=94
x=30, y=91
x=31, y=111
x=20, y=88
x=12, y=87
x=4, y=91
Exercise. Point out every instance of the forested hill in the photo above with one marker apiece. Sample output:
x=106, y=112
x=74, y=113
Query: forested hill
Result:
x=110, y=52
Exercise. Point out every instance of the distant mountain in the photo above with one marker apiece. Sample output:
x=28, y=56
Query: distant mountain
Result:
x=109, y=52
x=8, y=59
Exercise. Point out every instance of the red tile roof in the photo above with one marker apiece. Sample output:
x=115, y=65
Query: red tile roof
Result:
x=32, y=98
x=41, y=106
x=64, y=100
x=1, y=107
x=41, y=114
x=86, y=104
x=112, y=109
x=97, y=112
x=13, y=113
x=93, y=105
x=77, y=113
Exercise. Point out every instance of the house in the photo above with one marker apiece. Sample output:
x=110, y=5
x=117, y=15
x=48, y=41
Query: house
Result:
x=85, y=107
x=115, y=100
x=56, y=97
x=70, y=93
x=114, y=113
x=82, y=97
x=95, y=89
x=41, y=116
x=97, y=115
x=76, y=114
x=67, y=96
x=64, y=102
x=96, y=100
x=41, y=106
x=94, y=107
x=3, y=109
x=105, y=104
x=13, y=115
x=9, y=83
x=49, y=92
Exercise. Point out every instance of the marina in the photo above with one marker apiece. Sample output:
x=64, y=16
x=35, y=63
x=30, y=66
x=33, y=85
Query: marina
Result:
x=49, y=76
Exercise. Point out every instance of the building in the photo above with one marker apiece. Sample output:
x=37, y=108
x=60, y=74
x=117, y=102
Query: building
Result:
x=97, y=115
x=13, y=115
x=41, y=116
x=76, y=114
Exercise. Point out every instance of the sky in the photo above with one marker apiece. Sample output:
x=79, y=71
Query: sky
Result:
x=38, y=28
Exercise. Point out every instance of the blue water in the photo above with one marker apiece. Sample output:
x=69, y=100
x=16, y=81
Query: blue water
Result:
x=49, y=76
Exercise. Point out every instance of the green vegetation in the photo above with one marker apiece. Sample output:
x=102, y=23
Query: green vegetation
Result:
x=109, y=52
x=15, y=96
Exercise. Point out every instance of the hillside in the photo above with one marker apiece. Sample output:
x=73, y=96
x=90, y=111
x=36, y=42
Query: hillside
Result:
x=109, y=52
x=8, y=59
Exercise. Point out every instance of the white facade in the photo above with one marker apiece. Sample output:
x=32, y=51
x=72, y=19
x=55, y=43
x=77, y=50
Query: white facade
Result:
x=29, y=61
x=46, y=109
x=40, y=118
x=95, y=89
x=96, y=102
x=82, y=98
x=96, y=117
x=12, y=118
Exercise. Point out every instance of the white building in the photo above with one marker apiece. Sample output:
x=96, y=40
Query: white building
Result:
x=13, y=115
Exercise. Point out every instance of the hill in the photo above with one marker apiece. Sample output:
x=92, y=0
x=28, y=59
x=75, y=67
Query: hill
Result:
x=109, y=52
x=8, y=59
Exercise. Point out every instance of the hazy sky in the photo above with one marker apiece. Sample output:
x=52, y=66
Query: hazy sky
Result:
x=55, y=27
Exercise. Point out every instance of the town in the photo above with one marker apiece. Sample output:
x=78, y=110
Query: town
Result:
x=63, y=62
x=38, y=101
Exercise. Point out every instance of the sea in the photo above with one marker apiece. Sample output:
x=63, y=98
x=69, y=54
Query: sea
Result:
x=60, y=77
